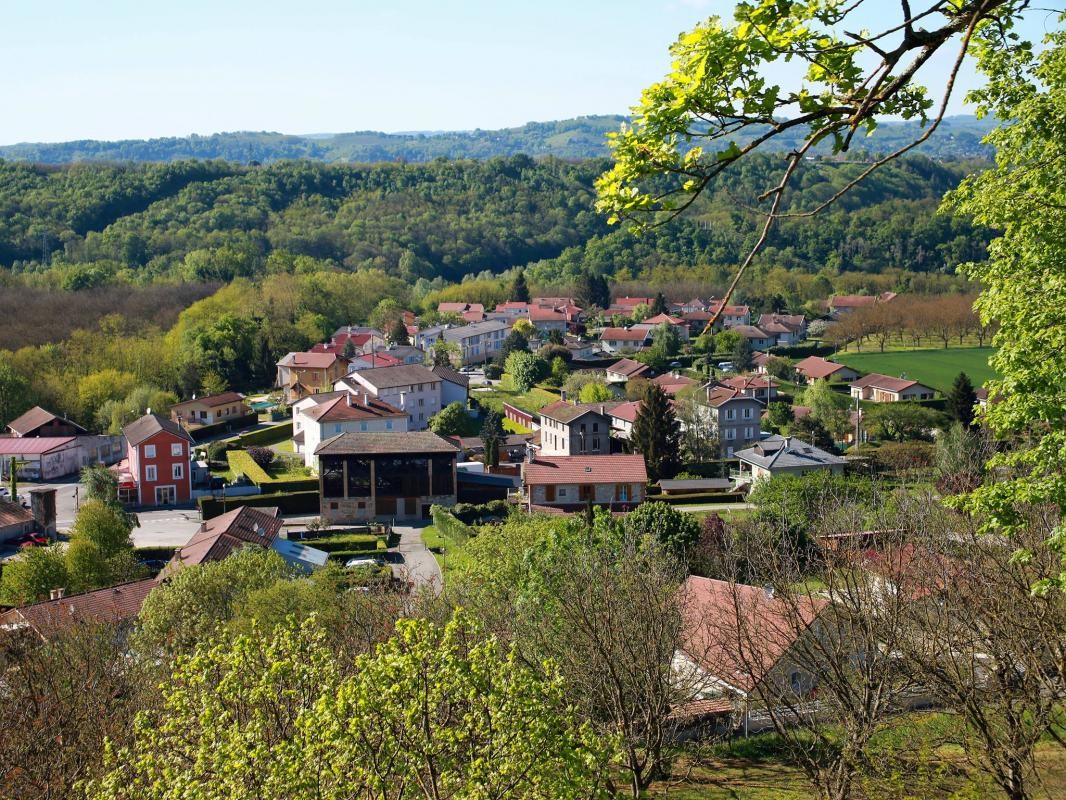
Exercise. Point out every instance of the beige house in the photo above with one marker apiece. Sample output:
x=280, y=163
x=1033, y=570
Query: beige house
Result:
x=209, y=409
x=570, y=483
x=886, y=389
x=303, y=374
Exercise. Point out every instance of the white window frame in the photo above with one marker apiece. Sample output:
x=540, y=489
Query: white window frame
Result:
x=176, y=449
x=150, y=473
x=149, y=451
x=177, y=472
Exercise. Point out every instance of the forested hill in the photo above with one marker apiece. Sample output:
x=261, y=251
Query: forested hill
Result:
x=88, y=225
x=580, y=138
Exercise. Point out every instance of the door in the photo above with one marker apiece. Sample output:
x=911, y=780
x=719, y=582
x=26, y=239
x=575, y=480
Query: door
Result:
x=165, y=495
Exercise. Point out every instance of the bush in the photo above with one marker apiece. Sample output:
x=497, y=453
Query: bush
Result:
x=216, y=451
x=242, y=463
x=344, y=543
x=232, y=424
x=288, y=502
x=343, y=555
x=473, y=513
x=263, y=436
x=493, y=372
x=263, y=456
x=448, y=526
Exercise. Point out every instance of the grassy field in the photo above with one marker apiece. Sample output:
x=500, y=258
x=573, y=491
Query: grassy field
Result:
x=504, y=392
x=935, y=368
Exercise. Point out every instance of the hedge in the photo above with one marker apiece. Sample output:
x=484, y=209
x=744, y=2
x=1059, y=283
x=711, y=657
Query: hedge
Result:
x=233, y=424
x=448, y=526
x=471, y=513
x=695, y=499
x=158, y=553
x=265, y=436
x=240, y=463
x=803, y=350
x=288, y=502
x=332, y=544
x=344, y=555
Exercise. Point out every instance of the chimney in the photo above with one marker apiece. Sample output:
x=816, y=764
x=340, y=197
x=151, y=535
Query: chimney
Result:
x=602, y=411
x=57, y=594
x=348, y=398
x=366, y=399
x=562, y=395
x=43, y=508
x=403, y=400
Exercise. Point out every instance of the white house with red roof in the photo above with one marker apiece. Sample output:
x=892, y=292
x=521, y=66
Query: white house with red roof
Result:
x=673, y=382
x=615, y=340
x=677, y=323
x=626, y=369
x=886, y=389
x=789, y=329
x=545, y=319
x=319, y=417
x=760, y=387
x=732, y=315
x=623, y=415
x=570, y=483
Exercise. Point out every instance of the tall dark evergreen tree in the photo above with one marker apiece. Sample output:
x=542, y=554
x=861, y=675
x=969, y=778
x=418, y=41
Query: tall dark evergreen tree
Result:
x=398, y=332
x=519, y=288
x=659, y=306
x=349, y=349
x=742, y=356
x=491, y=437
x=592, y=290
x=961, y=400
x=656, y=434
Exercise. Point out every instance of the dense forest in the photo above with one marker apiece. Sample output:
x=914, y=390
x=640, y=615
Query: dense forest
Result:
x=580, y=138
x=84, y=226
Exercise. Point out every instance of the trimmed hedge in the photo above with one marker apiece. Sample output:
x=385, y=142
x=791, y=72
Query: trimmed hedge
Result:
x=159, y=553
x=695, y=499
x=804, y=350
x=234, y=424
x=448, y=526
x=241, y=463
x=288, y=502
x=344, y=555
x=264, y=436
x=472, y=513
x=344, y=542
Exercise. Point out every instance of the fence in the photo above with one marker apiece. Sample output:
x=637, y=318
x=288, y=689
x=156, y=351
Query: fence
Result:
x=518, y=415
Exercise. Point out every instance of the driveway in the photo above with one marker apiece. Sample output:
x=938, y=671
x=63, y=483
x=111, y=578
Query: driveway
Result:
x=412, y=561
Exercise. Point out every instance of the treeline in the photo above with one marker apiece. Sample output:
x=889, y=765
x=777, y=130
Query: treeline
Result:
x=89, y=225
x=583, y=137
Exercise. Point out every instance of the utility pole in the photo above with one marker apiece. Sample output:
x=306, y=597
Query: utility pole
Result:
x=858, y=418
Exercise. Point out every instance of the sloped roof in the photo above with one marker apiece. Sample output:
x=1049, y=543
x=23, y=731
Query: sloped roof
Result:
x=672, y=384
x=348, y=407
x=659, y=319
x=566, y=412
x=222, y=535
x=886, y=382
x=720, y=395
x=749, y=382
x=113, y=604
x=309, y=360
x=13, y=514
x=751, y=332
x=628, y=368
x=391, y=377
x=817, y=368
x=149, y=425
x=452, y=376
x=540, y=314
x=627, y=412
x=385, y=443
x=621, y=468
x=738, y=633
x=461, y=332
x=213, y=399
x=633, y=302
x=785, y=452
x=624, y=334
x=33, y=445
x=35, y=418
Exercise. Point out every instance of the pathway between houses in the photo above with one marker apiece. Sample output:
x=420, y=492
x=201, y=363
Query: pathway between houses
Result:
x=412, y=561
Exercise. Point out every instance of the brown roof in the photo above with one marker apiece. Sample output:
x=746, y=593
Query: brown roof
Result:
x=213, y=399
x=384, y=443
x=738, y=633
x=751, y=332
x=745, y=382
x=390, y=377
x=556, y=470
x=33, y=445
x=149, y=425
x=113, y=604
x=220, y=536
x=309, y=360
x=723, y=394
x=815, y=367
x=628, y=368
x=35, y=418
x=13, y=514
x=451, y=375
x=886, y=382
x=538, y=314
x=672, y=384
x=566, y=412
x=626, y=411
x=659, y=319
x=349, y=407
x=624, y=334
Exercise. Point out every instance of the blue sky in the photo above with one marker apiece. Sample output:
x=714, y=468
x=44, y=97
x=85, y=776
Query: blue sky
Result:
x=111, y=69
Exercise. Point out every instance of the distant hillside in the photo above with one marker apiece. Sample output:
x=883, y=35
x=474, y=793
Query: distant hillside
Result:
x=580, y=138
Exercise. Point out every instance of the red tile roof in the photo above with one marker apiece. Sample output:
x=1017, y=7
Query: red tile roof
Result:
x=738, y=633
x=212, y=400
x=659, y=319
x=149, y=425
x=628, y=368
x=349, y=407
x=626, y=411
x=623, y=335
x=749, y=382
x=220, y=536
x=539, y=314
x=113, y=604
x=672, y=384
x=554, y=470
x=817, y=368
x=886, y=382
x=722, y=395
x=633, y=302
x=309, y=360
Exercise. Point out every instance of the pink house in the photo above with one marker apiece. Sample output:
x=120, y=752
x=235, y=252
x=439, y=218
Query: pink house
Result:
x=158, y=457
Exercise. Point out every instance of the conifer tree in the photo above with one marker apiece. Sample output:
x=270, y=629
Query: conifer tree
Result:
x=656, y=434
x=961, y=400
x=519, y=288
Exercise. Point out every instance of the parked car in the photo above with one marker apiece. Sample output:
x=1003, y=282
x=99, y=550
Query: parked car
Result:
x=31, y=540
x=725, y=366
x=364, y=562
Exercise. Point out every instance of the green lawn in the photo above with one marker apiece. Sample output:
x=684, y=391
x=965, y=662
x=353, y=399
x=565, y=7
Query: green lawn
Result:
x=452, y=556
x=504, y=392
x=935, y=368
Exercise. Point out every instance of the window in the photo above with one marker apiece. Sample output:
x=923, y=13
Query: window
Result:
x=150, y=473
x=177, y=471
x=176, y=449
x=730, y=433
x=363, y=426
x=621, y=492
x=795, y=680
x=337, y=427
x=421, y=401
x=562, y=491
x=747, y=413
x=149, y=451
x=595, y=427
x=731, y=413
x=388, y=425
x=596, y=444
x=748, y=433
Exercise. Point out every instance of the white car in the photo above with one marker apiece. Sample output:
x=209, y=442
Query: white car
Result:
x=364, y=562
